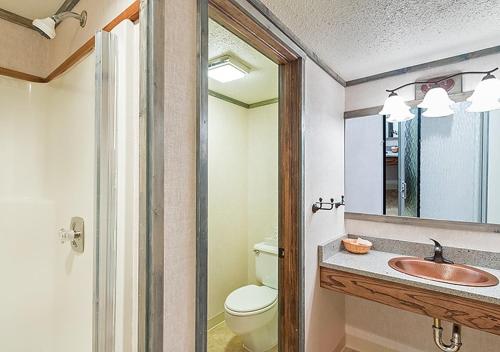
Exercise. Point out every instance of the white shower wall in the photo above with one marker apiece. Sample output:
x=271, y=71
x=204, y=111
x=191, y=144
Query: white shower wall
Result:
x=47, y=153
x=26, y=221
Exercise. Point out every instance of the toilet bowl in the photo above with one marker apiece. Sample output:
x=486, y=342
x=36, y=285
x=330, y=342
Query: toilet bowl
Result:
x=251, y=312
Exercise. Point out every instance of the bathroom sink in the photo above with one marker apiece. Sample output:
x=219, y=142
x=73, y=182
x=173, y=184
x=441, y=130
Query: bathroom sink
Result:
x=455, y=274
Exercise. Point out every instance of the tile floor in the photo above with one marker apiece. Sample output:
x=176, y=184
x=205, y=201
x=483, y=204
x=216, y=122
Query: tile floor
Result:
x=221, y=339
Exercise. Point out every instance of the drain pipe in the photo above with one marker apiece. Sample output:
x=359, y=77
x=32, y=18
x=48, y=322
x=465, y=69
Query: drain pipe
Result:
x=456, y=338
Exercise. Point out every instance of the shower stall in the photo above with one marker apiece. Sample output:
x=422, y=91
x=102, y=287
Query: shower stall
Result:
x=69, y=204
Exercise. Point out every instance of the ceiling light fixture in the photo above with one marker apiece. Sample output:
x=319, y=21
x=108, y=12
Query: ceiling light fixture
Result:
x=486, y=97
x=226, y=69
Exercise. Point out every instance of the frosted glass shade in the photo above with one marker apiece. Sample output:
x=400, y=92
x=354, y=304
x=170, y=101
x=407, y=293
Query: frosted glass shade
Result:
x=400, y=116
x=437, y=102
x=486, y=96
x=396, y=109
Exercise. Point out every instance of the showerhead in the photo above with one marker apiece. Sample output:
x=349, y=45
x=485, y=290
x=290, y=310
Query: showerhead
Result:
x=47, y=26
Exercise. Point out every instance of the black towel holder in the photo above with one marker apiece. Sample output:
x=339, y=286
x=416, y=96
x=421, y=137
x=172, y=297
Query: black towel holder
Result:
x=320, y=205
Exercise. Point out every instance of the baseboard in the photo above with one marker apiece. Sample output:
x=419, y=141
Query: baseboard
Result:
x=340, y=346
x=360, y=340
x=216, y=320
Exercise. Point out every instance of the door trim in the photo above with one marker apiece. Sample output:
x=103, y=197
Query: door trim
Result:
x=151, y=177
x=246, y=22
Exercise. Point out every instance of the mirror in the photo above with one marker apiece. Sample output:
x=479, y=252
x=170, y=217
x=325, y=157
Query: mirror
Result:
x=445, y=168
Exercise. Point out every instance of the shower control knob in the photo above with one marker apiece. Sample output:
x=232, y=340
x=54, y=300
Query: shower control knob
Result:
x=66, y=235
x=75, y=235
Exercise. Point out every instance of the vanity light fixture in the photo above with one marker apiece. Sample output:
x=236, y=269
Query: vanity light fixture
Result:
x=226, y=69
x=396, y=109
x=437, y=102
x=486, y=97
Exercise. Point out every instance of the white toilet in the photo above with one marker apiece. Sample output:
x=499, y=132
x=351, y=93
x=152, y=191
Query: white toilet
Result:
x=252, y=311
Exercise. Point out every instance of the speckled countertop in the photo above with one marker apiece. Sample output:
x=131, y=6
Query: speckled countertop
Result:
x=375, y=264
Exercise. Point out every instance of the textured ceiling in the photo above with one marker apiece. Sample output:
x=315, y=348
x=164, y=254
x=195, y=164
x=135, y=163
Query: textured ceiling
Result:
x=31, y=8
x=259, y=85
x=358, y=38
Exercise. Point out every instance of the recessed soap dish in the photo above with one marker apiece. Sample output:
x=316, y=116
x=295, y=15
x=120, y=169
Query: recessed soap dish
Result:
x=357, y=245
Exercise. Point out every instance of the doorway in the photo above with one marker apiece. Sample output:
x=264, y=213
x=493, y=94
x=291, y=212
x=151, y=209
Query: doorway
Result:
x=242, y=195
x=288, y=151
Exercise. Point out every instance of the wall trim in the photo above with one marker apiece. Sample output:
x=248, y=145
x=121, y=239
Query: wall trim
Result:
x=67, y=5
x=426, y=65
x=151, y=293
x=22, y=21
x=16, y=19
x=374, y=110
x=341, y=346
x=264, y=10
x=240, y=103
x=228, y=99
x=441, y=224
x=216, y=320
x=263, y=103
x=130, y=13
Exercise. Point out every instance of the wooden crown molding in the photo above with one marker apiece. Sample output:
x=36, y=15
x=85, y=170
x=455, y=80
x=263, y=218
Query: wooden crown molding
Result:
x=130, y=13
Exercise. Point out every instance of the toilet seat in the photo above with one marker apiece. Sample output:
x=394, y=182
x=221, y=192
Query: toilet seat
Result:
x=250, y=300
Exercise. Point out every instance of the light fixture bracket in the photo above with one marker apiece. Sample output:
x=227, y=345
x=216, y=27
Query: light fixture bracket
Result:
x=487, y=73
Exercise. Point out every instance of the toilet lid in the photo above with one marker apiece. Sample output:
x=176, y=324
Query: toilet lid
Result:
x=251, y=298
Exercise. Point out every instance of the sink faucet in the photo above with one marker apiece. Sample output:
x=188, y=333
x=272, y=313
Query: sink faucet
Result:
x=438, y=254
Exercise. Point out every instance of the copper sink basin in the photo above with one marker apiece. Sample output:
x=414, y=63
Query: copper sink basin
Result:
x=455, y=274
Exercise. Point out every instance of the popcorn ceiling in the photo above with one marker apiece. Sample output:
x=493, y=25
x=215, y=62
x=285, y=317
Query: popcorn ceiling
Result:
x=358, y=38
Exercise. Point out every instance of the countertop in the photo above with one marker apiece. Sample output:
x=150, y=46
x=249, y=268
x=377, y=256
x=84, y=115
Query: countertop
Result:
x=375, y=264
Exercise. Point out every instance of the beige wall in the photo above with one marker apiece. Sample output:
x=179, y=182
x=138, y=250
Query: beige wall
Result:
x=27, y=51
x=227, y=205
x=23, y=49
x=324, y=177
x=262, y=194
x=180, y=174
x=242, y=193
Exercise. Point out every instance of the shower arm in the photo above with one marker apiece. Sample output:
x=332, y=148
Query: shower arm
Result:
x=58, y=18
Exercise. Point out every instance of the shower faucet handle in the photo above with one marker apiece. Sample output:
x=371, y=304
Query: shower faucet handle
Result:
x=75, y=234
x=67, y=235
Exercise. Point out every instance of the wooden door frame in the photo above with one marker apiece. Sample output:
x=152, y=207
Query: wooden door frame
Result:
x=234, y=17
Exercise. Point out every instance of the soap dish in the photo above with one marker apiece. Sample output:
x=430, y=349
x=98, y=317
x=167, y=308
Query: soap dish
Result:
x=357, y=245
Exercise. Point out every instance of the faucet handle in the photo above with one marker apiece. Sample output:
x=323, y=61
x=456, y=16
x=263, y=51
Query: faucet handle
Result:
x=438, y=254
x=436, y=244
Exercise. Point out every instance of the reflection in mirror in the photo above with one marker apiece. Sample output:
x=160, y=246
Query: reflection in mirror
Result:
x=439, y=168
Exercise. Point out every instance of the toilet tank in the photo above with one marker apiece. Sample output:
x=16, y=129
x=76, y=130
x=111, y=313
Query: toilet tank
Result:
x=266, y=264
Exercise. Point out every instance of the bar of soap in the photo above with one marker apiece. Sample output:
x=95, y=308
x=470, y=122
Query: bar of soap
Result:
x=363, y=242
